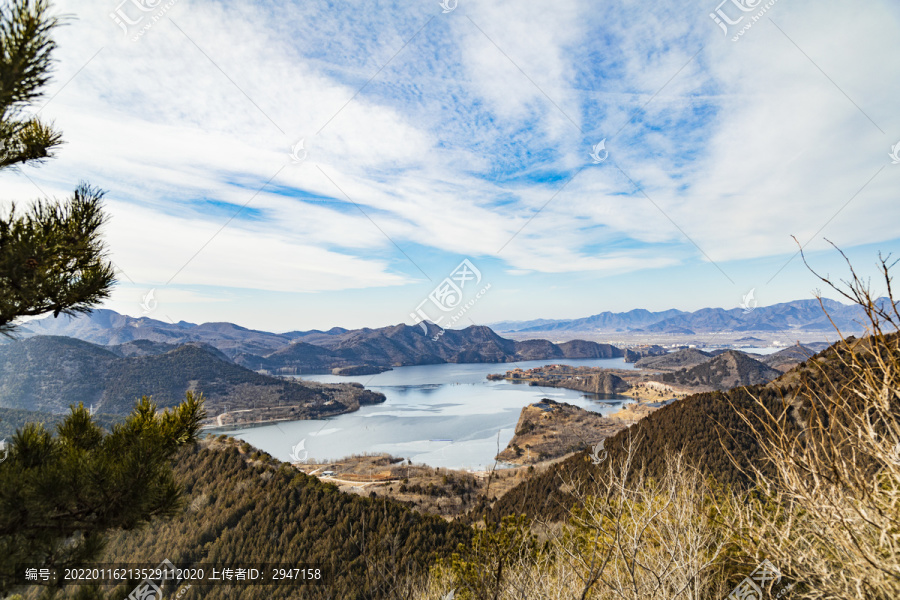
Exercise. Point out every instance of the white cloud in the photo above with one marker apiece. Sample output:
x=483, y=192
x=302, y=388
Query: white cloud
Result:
x=152, y=248
x=749, y=143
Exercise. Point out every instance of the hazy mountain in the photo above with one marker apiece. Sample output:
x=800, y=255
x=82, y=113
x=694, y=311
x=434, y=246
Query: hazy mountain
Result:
x=109, y=328
x=299, y=357
x=49, y=373
x=315, y=336
x=787, y=359
x=310, y=351
x=725, y=371
x=605, y=321
x=400, y=345
x=522, y=325
x=804, y=315
x=685, y=358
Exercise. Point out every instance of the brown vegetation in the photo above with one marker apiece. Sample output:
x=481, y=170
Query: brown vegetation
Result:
x=549, y=429
x=449, y=493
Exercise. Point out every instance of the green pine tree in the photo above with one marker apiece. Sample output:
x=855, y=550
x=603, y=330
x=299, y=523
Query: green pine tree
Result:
x=51, y=256
x=60, y=495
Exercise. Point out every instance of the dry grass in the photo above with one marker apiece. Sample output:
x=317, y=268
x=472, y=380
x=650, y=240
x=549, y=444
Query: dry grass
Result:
x=642, y=540
x=830, y=516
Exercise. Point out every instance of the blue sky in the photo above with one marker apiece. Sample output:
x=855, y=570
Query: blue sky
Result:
x=430, y=137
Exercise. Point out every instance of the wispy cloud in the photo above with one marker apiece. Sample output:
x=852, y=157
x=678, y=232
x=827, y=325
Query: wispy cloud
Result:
x=467, y=124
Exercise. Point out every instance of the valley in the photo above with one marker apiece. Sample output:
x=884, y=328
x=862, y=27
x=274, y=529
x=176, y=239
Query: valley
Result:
x=242, y=402
x=458, y=442
x=449, y=300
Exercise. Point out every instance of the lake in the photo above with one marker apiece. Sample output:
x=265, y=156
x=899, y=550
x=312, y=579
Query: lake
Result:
x=445, y=415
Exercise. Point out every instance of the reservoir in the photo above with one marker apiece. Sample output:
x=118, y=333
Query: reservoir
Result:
x=445, y=415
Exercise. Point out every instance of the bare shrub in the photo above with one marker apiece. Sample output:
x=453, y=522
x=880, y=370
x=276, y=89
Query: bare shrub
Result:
x=629, y=538
x=829, y=516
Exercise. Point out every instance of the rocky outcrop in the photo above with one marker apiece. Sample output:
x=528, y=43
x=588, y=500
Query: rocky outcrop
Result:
x=598, y=383
x=359, y=370
x=681, y=359
x=548, y=430
x=635, y=354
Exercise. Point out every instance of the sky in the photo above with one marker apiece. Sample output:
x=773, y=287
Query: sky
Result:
x=291, y=166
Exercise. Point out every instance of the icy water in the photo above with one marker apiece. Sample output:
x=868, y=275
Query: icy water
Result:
x=445, y=415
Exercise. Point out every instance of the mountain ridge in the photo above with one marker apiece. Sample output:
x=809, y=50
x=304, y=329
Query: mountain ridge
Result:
x=729, y=369
x=803, y=315
x=404, y=345
x=321, y=351
x=315, y=350
x=50, y=373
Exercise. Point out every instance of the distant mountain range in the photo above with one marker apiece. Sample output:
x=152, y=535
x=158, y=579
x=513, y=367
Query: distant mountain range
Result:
x=802, y=315
x=49, y=373
x=312, y=351
x=108, y=328
x=317, y=351
x=401, y=345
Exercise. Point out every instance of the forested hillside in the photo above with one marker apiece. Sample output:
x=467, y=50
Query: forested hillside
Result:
x=243, y=508
x=48, y=374
x=12, y=419
x=415, y=345
x=697, y=425
x=725, y=371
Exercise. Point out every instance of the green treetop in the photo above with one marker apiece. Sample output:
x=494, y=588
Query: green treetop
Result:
x=51, y=255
